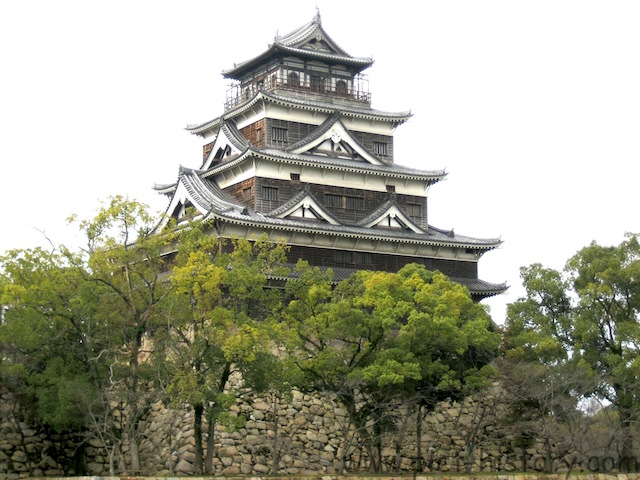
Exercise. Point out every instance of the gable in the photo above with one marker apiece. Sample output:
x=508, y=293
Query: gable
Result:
x=318, y=43
x=335, y=141
x=392, y=217
x=223, y=147
x=183, y=207
x=308, y=208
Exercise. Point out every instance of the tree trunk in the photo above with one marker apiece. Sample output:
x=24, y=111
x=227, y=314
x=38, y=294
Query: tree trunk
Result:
x=400, y=440
x=419, y=465
x=197, y=435
x=133, y=401
x=625, y=412
x=213, y=420
x=211, y=442
x=376, y=444
x=626, y=448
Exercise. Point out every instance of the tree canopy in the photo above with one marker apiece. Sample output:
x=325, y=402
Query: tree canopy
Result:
x=586, y=318
x=378, y=337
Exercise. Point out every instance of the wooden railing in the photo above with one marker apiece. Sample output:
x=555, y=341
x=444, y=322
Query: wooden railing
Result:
x=237, y=95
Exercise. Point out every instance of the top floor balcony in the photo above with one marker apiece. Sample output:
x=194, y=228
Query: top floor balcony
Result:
x=317, y=86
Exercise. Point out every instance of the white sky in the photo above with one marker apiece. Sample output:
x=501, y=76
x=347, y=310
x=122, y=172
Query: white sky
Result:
x=533, y=107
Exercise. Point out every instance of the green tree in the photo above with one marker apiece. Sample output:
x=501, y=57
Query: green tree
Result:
x=378, y=337
x=50, y=341
x=218, y=324
x=453, y=340
x=586, y=318
x=125, y=260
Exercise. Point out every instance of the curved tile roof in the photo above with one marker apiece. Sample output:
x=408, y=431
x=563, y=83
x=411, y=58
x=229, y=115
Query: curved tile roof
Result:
x=323, y=128
x=235, y=213
x=293, y=44
x=316, y=133
x=382, y=209
x=210, y=198
x=205, y=193
x=231, y=131
x=301, y=194
x=344, y=164
x=304, y=104
x=333, y=163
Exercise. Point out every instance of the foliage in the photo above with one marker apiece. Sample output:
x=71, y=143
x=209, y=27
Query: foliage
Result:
x=586, y=320
x=49, y=338
x=380, y=336
x=220, y=309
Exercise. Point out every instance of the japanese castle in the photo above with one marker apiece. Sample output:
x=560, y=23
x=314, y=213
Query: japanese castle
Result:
x=300, y=154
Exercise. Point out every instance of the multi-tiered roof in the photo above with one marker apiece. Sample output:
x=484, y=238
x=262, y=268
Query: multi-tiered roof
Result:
x=300, y=155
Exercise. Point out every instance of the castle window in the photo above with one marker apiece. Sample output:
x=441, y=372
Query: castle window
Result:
x=380, y=148
x=363, y=258
x=414, y=209
x=343, y=201
x=354, y=203
x=295, y=177
x=258, y=134
x=279, y=134
x=334, y=201
x=391, y=188
x=317, y=84
x=341, y=88
x=293, y=79
x=343, y=257
x=246, y=194
x=350, y=258
x=269, y=193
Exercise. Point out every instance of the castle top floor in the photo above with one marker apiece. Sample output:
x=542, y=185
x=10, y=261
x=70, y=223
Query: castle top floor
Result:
x=305, y=63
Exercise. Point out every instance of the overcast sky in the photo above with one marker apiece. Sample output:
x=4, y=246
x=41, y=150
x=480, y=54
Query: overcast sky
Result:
x=532, y=107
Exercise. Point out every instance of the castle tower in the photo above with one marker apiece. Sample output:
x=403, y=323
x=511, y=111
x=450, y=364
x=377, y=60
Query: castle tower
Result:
x=300, y=154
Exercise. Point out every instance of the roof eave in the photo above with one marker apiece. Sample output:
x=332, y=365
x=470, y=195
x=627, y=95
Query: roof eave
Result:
x=252, y=222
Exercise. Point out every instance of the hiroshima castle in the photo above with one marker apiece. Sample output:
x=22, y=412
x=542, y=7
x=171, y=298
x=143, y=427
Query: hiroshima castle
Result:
x=300, y=155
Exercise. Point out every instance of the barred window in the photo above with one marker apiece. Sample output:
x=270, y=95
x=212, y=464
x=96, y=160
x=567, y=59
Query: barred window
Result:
x=269, y=193
x=350, y=258
x=354, y=203
x=343, y=257
x=278, y=134
x=333, y=200
x=380, y=148
x=363, y=258
x=293, y=79
x=414, y=209
x=295, y=176
x=317, y=84
x=343, y=201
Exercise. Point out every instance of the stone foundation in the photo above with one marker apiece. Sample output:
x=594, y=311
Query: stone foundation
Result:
x=309, y=435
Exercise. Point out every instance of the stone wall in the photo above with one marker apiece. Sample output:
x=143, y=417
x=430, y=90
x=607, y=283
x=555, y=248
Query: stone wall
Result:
x=306, y=435
x=591, y=476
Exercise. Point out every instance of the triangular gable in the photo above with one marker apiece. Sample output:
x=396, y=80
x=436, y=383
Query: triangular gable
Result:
x=335, y=141
x=392, y=217
x=318, y=40
x=195, y=198
x=307, y=207
x=311, y=36
x=183, y=207
x=225, y=145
